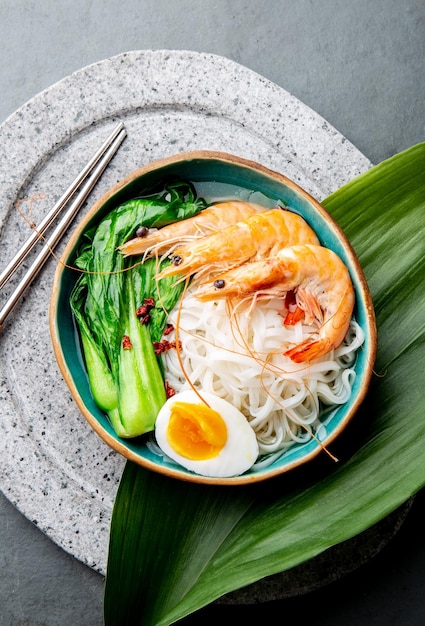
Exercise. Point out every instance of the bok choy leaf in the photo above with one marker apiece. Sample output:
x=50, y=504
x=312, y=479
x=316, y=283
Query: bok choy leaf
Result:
x=123, y=370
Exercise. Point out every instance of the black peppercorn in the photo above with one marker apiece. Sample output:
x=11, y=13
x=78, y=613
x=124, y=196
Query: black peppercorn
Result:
x=142, y=231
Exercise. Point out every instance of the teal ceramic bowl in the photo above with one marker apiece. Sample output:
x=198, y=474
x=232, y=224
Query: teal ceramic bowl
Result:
x=214, y=175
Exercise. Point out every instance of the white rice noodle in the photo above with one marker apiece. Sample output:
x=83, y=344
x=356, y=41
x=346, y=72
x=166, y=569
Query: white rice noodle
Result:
x=238, y=356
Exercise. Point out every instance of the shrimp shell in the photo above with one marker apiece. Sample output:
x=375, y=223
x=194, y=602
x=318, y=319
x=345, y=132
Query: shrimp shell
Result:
x=210, y=220
x=253, y=238
x=322, y=286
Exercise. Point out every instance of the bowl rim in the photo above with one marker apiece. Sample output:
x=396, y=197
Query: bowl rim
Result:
x=240, y=162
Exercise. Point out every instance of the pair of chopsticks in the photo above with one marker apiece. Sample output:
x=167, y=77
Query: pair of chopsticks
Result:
x=85, y=180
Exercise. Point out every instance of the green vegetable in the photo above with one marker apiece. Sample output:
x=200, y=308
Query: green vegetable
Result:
x=123, y=370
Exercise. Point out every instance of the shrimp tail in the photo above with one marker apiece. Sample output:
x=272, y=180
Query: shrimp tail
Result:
x=309, y=350
x=293, y=317
x=294, y=312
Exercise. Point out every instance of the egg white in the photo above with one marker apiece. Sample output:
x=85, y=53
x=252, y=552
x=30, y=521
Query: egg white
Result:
x=237, y=455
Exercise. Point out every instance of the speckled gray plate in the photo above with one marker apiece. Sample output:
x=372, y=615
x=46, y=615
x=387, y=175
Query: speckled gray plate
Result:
x=53, y=467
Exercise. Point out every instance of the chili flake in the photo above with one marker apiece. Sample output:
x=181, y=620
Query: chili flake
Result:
x=169, y=391
x=126, y=343
x=149, y=302
x=142, y=311
x=163, y=345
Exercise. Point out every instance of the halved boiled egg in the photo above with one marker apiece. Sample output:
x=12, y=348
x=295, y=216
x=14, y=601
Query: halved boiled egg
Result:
x=209, y=436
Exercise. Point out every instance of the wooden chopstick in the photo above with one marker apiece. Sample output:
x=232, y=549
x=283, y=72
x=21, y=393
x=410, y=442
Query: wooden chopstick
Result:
x=57, y=208
x=63, y=225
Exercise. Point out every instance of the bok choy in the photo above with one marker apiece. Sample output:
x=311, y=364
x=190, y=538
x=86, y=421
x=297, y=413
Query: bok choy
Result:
x=124, y=372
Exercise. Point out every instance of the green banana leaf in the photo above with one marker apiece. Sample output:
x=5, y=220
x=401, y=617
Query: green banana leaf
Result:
x=175, y=547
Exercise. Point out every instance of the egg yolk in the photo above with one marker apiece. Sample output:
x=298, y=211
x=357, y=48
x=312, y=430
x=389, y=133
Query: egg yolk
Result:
x=195, y=431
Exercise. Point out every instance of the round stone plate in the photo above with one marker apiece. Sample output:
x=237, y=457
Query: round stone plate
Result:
x=53, y=466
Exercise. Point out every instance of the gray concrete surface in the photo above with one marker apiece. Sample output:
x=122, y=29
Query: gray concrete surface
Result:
x=361, y=65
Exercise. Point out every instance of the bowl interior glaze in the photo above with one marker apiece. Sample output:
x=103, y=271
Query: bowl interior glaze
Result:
x=215, y=176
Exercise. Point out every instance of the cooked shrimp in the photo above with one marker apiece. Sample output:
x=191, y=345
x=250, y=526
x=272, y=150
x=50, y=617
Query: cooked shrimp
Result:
x=322, y=287
x=253, y=238
x=210, y=220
